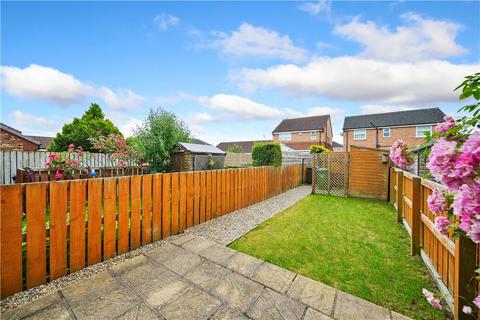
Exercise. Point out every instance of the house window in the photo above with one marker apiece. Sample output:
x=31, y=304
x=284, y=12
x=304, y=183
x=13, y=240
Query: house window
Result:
x=421, y=131
x=386, y=132
x=285, y=136
x=360, y=134
x=313, y=135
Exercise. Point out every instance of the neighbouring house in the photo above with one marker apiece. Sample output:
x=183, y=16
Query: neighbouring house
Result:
x=337, y=147
x=45, y=142
x=194, y=157
x=12, y=139
x=247, y=146
x=381, y=130
x=198, y=141
x=300, y=133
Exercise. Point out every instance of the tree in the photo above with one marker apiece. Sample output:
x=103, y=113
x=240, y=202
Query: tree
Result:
x=158, y=138
x=81, y=130
x=235, y=148
x=267, y=154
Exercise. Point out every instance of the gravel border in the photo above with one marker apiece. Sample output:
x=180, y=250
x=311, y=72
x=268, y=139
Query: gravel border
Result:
x=230, y=227
x=222, y=230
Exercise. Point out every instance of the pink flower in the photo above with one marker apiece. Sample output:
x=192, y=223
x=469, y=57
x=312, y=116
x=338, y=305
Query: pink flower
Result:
x=446, y=125
x=53, y=156
x=400, y=155
x=441, y=163
x=442, y=224
x=58, y=175
x=434, y=302
x=437, y=202
x=467, y=309
x=48, y=163
x=472, y=146
x=71, y=146
x=476, y=301
x=466, y=205
x=74, y=163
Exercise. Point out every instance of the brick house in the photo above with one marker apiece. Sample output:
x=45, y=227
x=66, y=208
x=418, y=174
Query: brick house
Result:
x=381, y=130
x=300, y=133
x=13, y=140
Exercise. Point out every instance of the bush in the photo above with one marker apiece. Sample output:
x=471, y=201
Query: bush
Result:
x=158, y=137
x=316, y=148
x=267, y=154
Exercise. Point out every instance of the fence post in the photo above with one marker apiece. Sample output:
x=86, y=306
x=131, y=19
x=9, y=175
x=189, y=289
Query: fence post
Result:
x=416, y=201
x=391, y=179
x=463, y=286
x=314, y=172
x=399, y=194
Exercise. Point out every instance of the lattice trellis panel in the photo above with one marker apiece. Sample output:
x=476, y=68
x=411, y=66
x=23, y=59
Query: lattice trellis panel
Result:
x=330, y=173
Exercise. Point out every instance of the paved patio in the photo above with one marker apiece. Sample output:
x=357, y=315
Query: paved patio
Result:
x=189, y=277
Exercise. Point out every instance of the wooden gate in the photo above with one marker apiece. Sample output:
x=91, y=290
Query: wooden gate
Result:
x=330, y=173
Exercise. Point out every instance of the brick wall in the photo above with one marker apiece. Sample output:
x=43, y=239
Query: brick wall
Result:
x=407, y=134
x=12, y=142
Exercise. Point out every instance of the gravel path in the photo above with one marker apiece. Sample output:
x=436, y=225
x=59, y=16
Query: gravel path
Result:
x=232, y=226
x=222, y=230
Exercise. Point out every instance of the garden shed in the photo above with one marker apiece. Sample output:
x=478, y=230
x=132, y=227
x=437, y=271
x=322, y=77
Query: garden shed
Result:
x=194, y=157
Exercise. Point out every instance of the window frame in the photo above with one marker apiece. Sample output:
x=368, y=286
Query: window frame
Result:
x=355, y=132
x=389, y=132
x=422, y=126
x=313, y=135
x=289, y=134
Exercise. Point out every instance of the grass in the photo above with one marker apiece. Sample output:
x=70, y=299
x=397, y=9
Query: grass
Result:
x=351, y=244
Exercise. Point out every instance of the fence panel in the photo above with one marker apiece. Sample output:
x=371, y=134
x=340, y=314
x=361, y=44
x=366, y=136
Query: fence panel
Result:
x=330, y=173
x=87, y=221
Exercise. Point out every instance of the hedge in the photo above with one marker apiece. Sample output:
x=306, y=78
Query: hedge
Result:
x=267, y=154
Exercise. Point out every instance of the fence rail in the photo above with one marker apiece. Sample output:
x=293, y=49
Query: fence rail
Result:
x=10, y=161
x=451, y=261
x=49, y=229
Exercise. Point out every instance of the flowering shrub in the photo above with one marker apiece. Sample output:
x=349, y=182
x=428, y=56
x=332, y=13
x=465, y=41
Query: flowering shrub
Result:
x=116, y=149
x=454, y=160
x=317, y=148
x=62, y=164
x=400, y=155
x=434, y=302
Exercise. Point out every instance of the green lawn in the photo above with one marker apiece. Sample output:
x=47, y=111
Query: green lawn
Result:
x=351, y=244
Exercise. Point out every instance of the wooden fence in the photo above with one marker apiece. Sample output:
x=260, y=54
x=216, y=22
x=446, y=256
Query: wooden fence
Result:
x=10, y=161
x=49, y=229
x=451, y=261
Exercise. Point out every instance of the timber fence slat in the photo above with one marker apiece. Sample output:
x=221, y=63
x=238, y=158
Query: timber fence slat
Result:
x=76, y=223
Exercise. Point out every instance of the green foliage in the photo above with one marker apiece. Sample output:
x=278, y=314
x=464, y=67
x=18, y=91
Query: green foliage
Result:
x=316, y=148
x=80, y=130
x=267, y=154
x=158, y=138
x=471, y=88
x=235, y=148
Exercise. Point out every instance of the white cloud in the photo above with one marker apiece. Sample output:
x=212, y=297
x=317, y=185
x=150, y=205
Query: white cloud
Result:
x=165, y=21
x=375, y=108
x=315, y=8
x=202, y=117
x=336, y=114
x=35, y=125
x=419, y=39
x=357, y=79
x=241, y=107
x=49, y=84
x=249, y=40
x=44, y=83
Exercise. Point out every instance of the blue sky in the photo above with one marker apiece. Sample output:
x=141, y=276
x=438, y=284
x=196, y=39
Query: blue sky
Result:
x=231, y=70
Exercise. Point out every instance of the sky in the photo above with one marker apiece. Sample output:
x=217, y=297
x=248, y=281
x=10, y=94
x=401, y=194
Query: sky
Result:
x=231, y=70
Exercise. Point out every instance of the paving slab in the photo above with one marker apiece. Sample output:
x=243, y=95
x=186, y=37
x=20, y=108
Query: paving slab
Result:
x=238, y=291
x=208, y=275
x=217, y=253
x=398, y=316
x=243, y=264
x=348, y=307
x=228, y=313
x=193, y=304
x=198, y=244
x=182, y=238
x=274, y=277
x=315, y=315
x=45, y=308
x=313, y=293
x=139, y=312
x=183, y=263
x=99, y=297
x=273, y=305
x=164, y=252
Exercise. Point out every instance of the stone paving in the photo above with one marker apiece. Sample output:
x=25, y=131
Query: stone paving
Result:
x=189, y=277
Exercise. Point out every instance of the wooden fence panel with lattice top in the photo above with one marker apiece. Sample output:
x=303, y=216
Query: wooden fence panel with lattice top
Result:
x=330, y=173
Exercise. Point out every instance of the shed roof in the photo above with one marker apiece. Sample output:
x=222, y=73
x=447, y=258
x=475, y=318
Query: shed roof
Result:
x=200, y=148
x=247, y=146
x=399, y=118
